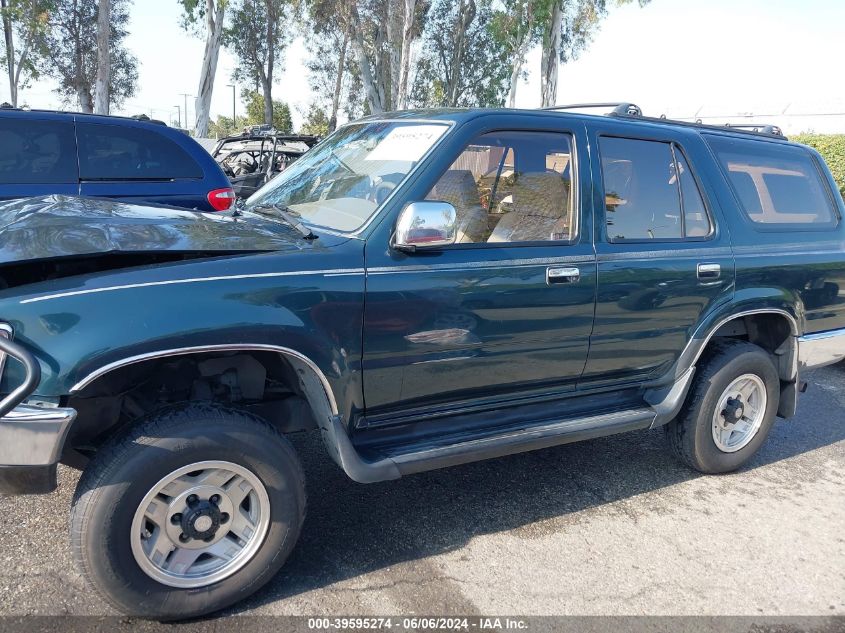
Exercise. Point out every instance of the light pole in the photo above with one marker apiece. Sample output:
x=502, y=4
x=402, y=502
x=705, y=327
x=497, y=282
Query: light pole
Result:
x=186, y=106
x=234, y=111
x=179, y=114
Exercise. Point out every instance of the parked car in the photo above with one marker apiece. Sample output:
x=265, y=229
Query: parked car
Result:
x=426, y=289
x=128, y=159
x=252, y=159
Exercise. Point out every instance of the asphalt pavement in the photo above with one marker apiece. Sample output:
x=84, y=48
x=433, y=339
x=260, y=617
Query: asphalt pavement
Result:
x=613, y=526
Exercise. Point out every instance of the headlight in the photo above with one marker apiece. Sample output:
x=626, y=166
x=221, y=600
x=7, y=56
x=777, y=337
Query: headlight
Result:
x=6, y=333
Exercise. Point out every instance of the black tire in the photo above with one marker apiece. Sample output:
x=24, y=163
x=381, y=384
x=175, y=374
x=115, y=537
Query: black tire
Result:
x=690, y=435
x=125, y=469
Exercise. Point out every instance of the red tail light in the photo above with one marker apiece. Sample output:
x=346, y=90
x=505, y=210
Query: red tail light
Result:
x=221, y=199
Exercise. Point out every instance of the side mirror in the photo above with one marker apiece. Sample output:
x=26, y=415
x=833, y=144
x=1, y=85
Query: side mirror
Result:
x=425, y=224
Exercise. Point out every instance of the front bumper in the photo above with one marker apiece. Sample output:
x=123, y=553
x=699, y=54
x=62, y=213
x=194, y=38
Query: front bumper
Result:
x=31, y=442
x=821, y=348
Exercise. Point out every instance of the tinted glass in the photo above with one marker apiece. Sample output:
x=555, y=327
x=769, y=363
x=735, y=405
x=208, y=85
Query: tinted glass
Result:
x=775, y=184
x=113, y=152
x=696, y=220
x=511, y=187
x=642, y=195
x=37, y=152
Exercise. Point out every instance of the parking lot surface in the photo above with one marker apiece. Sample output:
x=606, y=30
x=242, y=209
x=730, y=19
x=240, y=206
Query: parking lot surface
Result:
x=609, y=526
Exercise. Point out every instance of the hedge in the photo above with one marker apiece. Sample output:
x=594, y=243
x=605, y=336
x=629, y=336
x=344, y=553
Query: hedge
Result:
x=832, y=148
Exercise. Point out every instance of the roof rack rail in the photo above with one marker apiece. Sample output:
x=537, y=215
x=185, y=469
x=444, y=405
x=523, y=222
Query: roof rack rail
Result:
x=774, y=130
x=617, y=108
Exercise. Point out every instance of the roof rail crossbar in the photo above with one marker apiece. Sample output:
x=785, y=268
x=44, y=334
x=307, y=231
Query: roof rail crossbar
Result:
x=774, y=130
x=617, y=108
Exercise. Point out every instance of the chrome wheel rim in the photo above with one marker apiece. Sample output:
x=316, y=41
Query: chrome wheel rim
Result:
x=739, y=413
x=200, y=524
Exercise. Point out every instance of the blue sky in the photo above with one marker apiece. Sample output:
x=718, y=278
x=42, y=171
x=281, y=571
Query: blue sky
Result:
x=674, y=57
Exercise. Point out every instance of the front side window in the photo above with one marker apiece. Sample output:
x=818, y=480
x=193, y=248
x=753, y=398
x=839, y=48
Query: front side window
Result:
x=37, y=152
x=650, y=192
x=775, y=184
x=511, y=187
x=343, y=181
x=114, y=152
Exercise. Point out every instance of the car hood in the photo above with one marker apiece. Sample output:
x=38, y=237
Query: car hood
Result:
x=64, y=226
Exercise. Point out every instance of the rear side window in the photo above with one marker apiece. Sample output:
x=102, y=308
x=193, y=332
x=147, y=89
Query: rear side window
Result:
x=650, y=192
x=113, y=152
x=775, y=184
x=37, y=152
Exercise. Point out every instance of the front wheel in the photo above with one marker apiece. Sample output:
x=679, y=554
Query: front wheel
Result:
x=729, y=410
x=194, y=509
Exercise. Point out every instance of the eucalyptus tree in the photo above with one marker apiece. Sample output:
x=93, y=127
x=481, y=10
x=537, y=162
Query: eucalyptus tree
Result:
x=207, y=17
x=24, y=25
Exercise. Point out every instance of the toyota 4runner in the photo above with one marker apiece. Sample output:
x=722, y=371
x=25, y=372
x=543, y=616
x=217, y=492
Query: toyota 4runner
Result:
x=426, y=289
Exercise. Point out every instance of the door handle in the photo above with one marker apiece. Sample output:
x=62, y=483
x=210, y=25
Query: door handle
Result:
x=709, y=271
x=564, y=275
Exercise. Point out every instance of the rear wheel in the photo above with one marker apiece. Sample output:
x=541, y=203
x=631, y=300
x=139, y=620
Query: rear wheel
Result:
x=191, y=511
x=730, y=409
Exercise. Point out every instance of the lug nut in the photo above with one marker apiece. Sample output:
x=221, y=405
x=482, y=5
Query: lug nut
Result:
x=192, y=499
x=215, y=499
x=224, y=517
x=176, y=519
x=208, y=539
x=184, y=538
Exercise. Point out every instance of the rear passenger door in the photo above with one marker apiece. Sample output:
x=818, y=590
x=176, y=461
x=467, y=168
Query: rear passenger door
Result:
x=37, y=157
x=509, y=308
x=663, y=250
x=135, y=164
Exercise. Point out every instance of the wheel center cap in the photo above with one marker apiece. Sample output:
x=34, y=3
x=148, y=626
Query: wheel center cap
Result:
x=203, y=523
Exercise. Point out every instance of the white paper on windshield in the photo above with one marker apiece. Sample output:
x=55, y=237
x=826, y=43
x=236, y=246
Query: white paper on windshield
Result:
x=407, y=142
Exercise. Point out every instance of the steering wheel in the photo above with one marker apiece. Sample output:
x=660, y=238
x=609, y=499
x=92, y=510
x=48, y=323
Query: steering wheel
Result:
x=380, y=189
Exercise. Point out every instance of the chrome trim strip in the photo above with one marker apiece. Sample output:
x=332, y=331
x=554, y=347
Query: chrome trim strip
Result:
x=677, y=253
x=170, y=282
x=34, y=436
x=821, y=348
x=240, y=347
x=534, y=261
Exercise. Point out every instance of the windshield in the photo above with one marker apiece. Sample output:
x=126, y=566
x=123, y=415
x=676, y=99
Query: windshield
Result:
x=343, y=180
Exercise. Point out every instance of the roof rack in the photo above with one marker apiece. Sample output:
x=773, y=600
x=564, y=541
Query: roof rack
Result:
x=630, y=110
x=617, y=108
x=774, y=130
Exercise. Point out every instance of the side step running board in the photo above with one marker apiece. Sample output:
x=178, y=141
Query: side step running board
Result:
x=531, y=438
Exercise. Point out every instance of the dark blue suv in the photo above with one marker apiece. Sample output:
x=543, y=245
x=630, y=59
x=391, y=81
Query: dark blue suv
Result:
x=127, y=159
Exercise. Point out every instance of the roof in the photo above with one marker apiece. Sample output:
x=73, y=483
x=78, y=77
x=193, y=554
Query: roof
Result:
x=623, y=113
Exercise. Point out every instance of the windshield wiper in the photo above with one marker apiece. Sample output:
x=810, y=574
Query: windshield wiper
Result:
x=290, y=217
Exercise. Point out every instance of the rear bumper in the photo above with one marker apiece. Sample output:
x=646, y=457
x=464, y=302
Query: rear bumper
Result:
x=820, y=349
x=31, y=442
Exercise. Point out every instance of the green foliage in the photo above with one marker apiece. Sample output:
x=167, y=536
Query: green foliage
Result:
x=316, y=122
x=71, y=58
x=27, y=20
x=461, y=64
x=832, y=149
x=223, y=126
x=255, y=111
x=194, y=12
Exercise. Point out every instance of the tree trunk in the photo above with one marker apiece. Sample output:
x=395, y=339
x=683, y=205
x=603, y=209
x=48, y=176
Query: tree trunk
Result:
x=86, y=103
x=267, y=83
x=338, y=84
x=405, y=60
x=213, y=41
x=464, y=17
x=374, y=99
x=10, y=52
x=101, y=89
x=550, y=62
x=516, y=69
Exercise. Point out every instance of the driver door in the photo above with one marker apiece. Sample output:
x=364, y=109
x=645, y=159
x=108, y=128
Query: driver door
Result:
x=487, y=319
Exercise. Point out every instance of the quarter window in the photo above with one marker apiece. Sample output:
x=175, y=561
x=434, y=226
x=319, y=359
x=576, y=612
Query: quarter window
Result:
x=112, y=152
x=650, y=192
x=37, y=152
x=775, y=184
x=511, y=187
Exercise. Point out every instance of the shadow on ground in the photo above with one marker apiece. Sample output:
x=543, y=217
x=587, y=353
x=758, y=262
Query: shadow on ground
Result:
x=353, y=529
